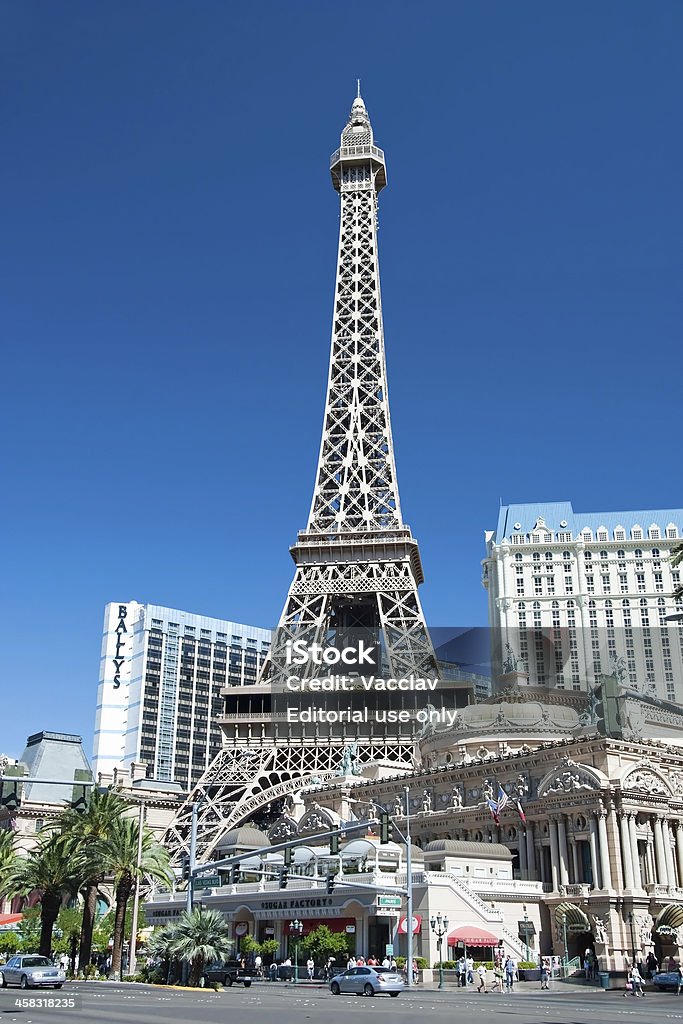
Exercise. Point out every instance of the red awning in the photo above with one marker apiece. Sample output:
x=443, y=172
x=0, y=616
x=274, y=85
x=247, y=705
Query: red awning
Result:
x=9, y=919
x=470, y=936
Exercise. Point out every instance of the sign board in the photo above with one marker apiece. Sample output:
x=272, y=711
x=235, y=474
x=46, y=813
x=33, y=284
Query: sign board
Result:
x=389, y=949
x=388, y=901
x=350, y=929
x=206, y=882
x=576, y=929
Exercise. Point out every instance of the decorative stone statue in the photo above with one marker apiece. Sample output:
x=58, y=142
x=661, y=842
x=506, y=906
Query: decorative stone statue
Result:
x=426, y=801
x=397, y=809
x=456, y=798
x=599, y=930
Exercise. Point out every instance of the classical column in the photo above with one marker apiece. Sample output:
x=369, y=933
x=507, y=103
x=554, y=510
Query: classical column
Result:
x=660, y=857
x=668, y=854
x=530, y=850
x=554, y=853
x=594, y=851
x=650, y=858
x=521, y=848
x=633, y=837
x=575, y=861
x=603, y=846
x=564, y=858
x=626, y=858
x=614, y=846
x=679, y=850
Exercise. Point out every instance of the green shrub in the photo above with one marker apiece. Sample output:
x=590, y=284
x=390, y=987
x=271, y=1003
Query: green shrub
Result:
x=420, y=962
x=527, y=965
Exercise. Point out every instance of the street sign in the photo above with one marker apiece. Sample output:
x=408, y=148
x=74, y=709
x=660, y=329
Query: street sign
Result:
x=207, y=882
x=389, y=949
x=388, y=901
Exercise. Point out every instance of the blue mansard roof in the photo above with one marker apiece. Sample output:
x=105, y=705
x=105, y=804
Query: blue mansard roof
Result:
x=559, y=516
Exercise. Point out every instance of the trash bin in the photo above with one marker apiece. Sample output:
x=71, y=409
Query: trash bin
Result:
x=603, y=978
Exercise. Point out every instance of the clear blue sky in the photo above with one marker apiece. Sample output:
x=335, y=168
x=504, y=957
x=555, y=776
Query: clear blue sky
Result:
x=168, y=266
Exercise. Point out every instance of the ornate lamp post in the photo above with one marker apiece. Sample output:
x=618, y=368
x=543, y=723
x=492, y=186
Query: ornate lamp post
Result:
x=633, y=934
x=526, y=932
x=440, y=928
x=295, y=930
x=566, y=951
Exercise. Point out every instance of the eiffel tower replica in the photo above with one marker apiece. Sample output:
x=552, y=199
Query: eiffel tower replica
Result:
x=358, y=566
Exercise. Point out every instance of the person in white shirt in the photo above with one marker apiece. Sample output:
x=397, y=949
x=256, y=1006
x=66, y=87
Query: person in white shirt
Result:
x=351, y=963
x=386, y=962
x=310, y=967
x=481, y=971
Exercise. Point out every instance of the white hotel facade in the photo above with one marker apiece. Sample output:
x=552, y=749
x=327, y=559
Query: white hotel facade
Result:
x=161, y=675
x=572, y=594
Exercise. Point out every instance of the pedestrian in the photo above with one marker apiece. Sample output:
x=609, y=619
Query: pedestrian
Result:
x=310, y=967
x=469, y=967
x=288, y=968
x=481, y=971
x=510, y=968
x=498, y=975
x=386, y=962
x=679, y=972
x=545, y=972
x=392, y=964
x=413, y=964
x=651, y=965
x=258, y=964
x=351, y=963
x=462, y=972
x=272, y=971
x=634, y=983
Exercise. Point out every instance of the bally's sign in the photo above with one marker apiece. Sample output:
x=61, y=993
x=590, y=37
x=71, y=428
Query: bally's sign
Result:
x=118, y=658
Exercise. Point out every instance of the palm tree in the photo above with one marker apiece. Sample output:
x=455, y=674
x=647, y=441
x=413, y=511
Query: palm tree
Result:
x=55, y=871
x=82, y=830
x=160, y=946
x=118, y=855
x=8, y=857
x=200, y=937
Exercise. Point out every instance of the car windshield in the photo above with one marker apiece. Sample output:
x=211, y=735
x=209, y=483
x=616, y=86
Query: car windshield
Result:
x=36, y=961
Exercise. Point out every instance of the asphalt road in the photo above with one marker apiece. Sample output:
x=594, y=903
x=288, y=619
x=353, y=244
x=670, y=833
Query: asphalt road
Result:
x=104, y=1003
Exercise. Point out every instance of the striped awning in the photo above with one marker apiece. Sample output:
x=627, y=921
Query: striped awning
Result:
x=469, y=935
x=671, y=916
x=574, y=916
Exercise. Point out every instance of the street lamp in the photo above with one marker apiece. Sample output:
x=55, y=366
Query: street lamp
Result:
x=633, y=934
x=566, y=951
x=440, y=928
x=526, y=932
x=295, y=930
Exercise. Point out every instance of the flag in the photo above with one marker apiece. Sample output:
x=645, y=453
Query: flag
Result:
x=503, y=799
x=522, y=815
x=493, y=807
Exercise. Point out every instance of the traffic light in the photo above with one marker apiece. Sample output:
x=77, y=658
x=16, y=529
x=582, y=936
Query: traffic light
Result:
x=185, y=866
x=10, y=798
x=330, y=883
x=386, y=827
x=288, y=856
x=606, y=707
x=80, y=795
x=334, y=845
x=284, y=877
x=234, y=873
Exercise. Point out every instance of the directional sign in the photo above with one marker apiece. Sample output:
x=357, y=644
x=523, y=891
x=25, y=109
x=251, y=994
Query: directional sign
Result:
x=388, y=901
x=389, y=949
x=207, y=882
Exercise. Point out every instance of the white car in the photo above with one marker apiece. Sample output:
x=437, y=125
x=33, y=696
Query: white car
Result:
x=31, y=971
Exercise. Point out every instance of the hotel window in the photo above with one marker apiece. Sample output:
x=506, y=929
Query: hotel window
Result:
x=671, y=533
x=636, y=533
x=620, y=535
x=640, y=582
x=602, y=535
x=654, y=533
x=659, y=582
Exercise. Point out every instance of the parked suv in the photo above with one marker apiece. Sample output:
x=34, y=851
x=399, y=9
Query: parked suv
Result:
x=229, y=973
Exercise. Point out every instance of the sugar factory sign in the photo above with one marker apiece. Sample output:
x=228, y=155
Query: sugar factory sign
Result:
x=118, y=659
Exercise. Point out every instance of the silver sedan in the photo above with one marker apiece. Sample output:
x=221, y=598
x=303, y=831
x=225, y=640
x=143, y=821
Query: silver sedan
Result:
x=367, y=981
x=31, y=971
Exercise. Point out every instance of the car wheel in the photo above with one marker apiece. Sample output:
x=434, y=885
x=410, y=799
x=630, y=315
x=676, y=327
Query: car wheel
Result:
x=59, y=986
x=227, y=981
x=368, y=990
x=3, y=981
x=393, y=994
x=24, y=982
x=334, y=989
x=247, y=984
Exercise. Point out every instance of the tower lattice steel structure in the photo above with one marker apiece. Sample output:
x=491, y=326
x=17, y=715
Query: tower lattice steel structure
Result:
x=357, y=564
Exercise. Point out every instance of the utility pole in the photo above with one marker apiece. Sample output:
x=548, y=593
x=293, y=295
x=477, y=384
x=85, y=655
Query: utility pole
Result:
x=409, y=901
x=136, y=896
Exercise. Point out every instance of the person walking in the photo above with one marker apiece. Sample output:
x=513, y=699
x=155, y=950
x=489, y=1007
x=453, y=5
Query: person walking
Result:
x=310, y=968
x=469, y=968
x=679, y=971
x=462, y=972
x=498, y=974
x=481, y=972
x=510, y=968
x=545, y=973
x=651, y=965
x=634, y=983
